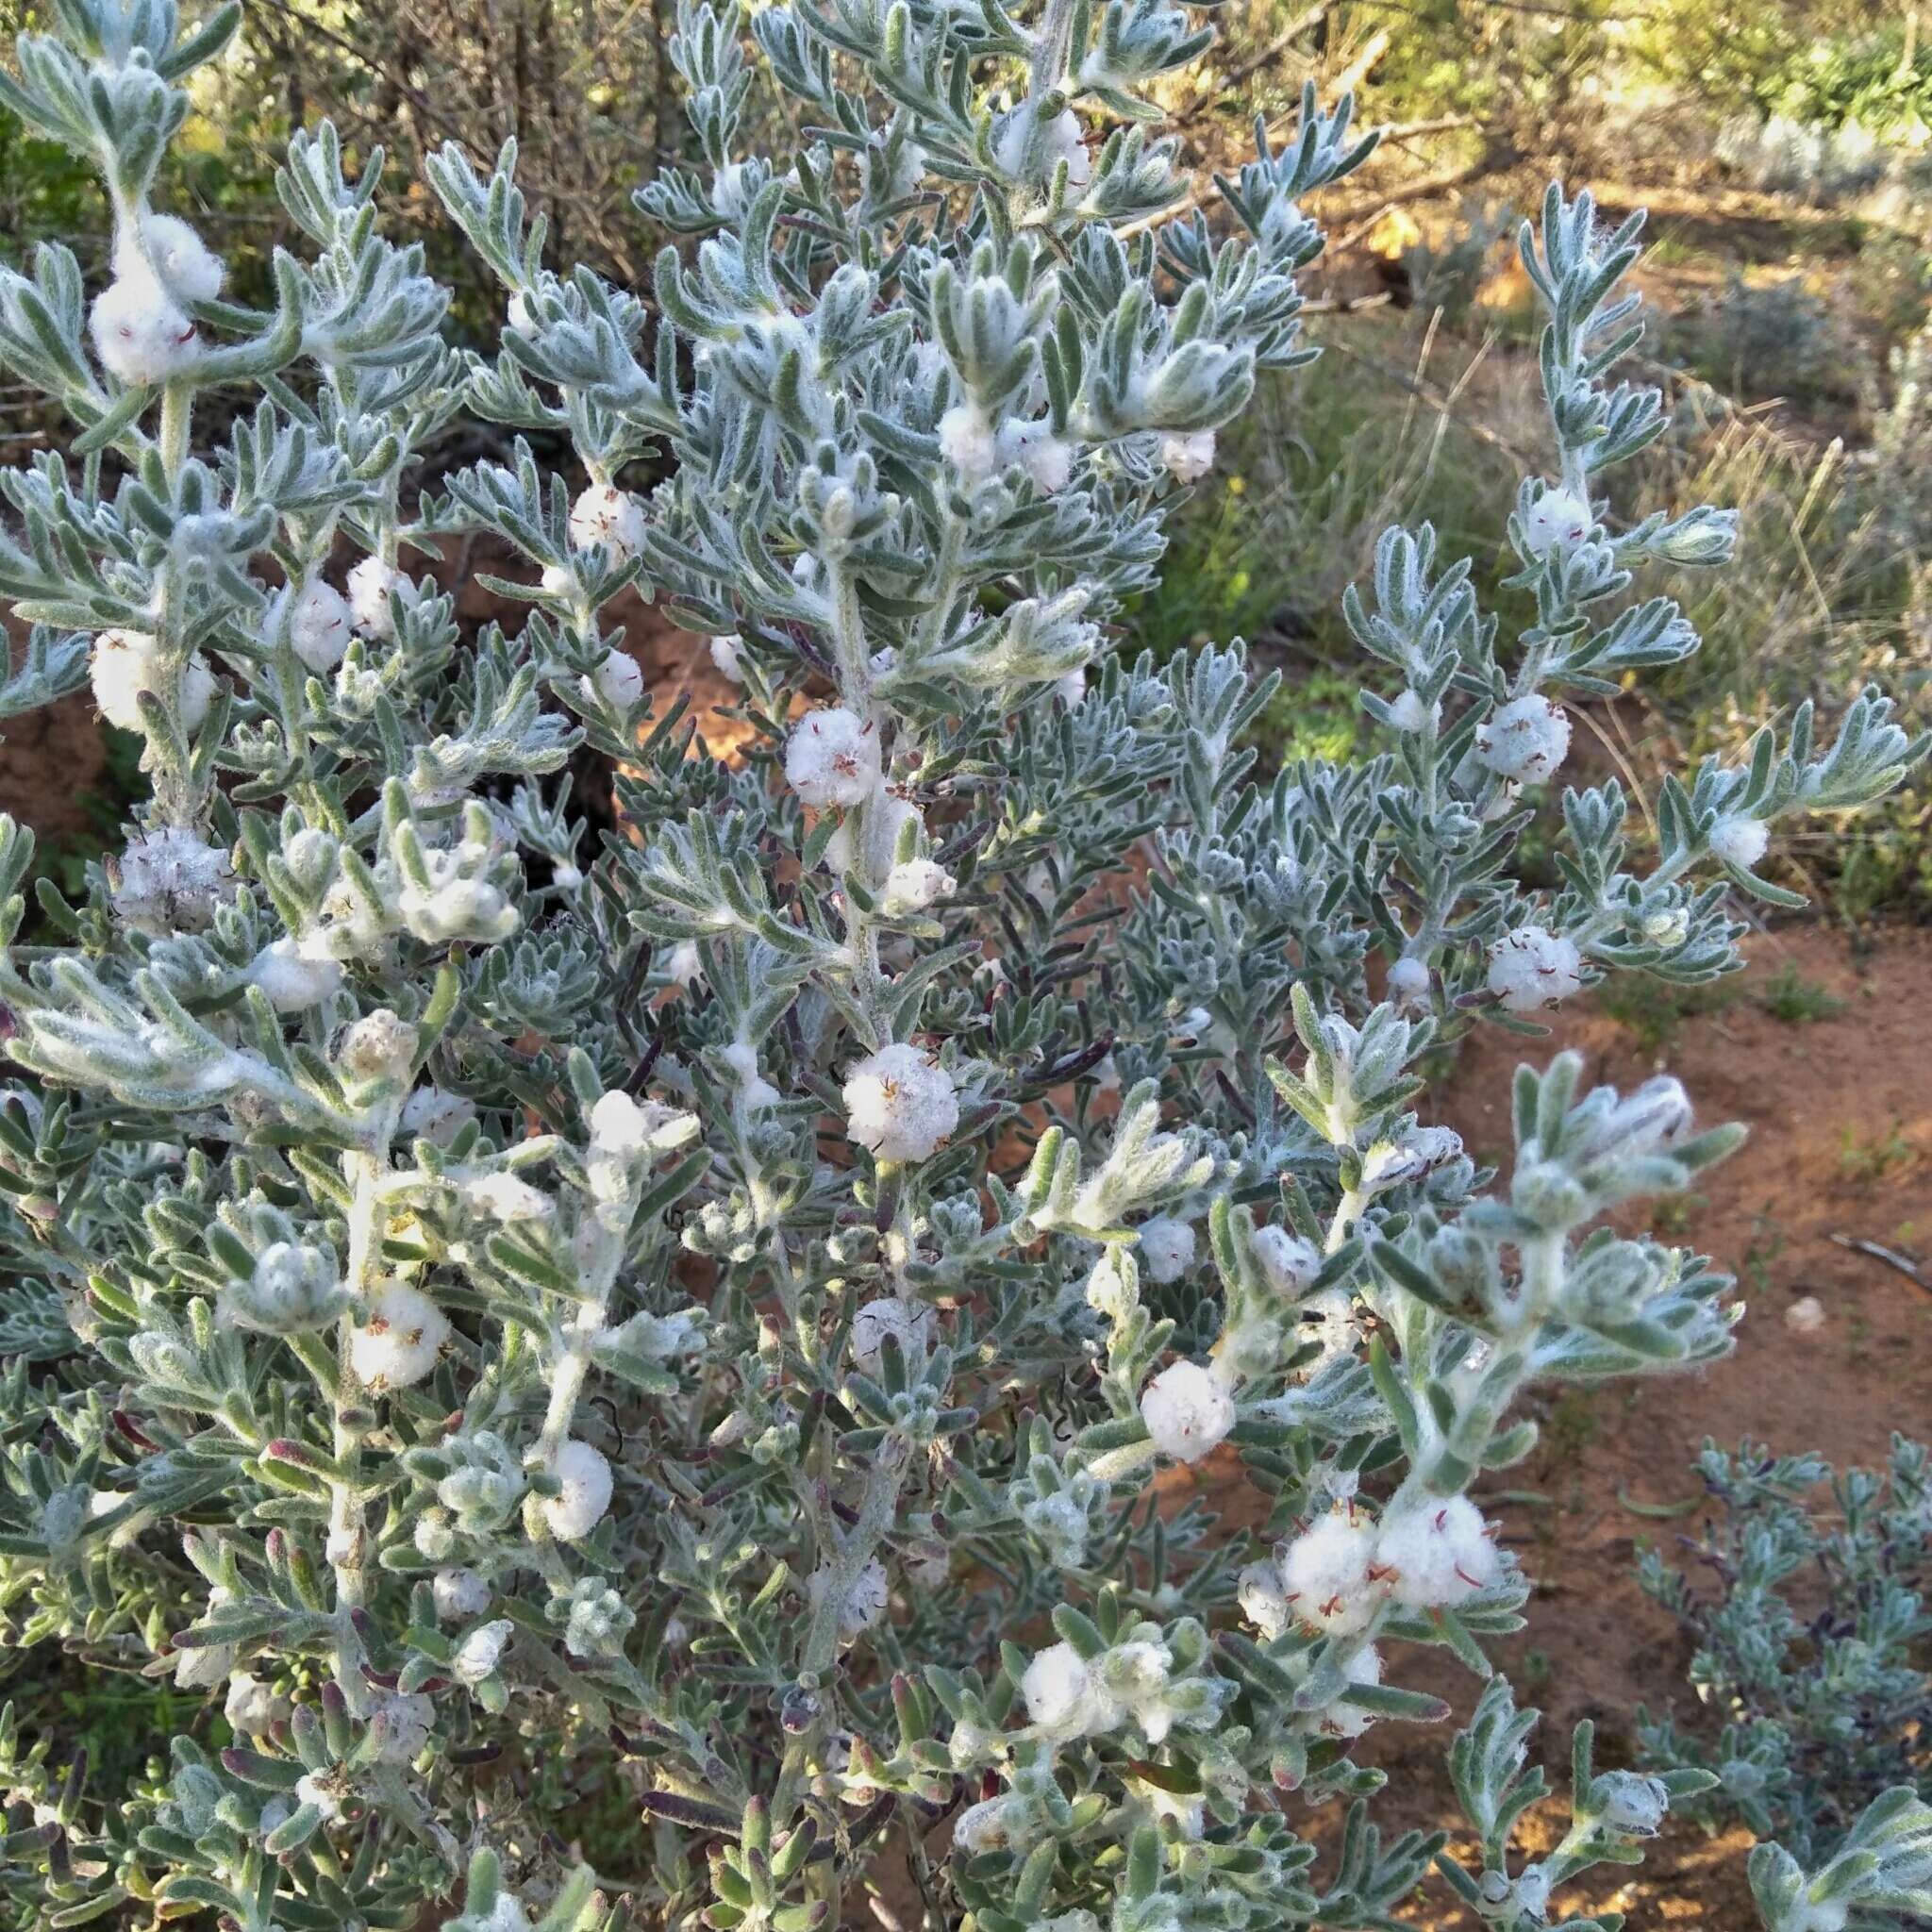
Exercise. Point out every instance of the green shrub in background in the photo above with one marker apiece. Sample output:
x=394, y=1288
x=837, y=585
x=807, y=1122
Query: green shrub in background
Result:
x=1813, y=1666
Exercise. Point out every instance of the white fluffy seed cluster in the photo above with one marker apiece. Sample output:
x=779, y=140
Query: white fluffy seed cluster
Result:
x=320, y=624
x=1167, y=1247
x=578, y=1508
x=1188, y=458
x=1557, y=520
x=1187, y=1411
x=1525, y=740
x=396, y=1342
x=1740, y=840
x=832, y=759
x=1289, y=1264
x=127, y=662
x=618, y=682
x=376, y=590
x=1532, y=968
x=890, y=1319
x=1337, y=1575
x=170, y=881
x=900, y=1104
x=604, y=517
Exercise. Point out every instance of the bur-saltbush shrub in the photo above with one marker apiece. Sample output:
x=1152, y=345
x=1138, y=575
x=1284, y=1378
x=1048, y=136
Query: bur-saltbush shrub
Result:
x=707, y=1314
x=1812, y=1637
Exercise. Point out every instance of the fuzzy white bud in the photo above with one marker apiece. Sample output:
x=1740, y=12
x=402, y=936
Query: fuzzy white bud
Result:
x=169, y=881
x=832, y=759
x=460, y=1594
x=1532, y=968
x=900, y=1104
x=1187, y=1411
x=579, y=1506
x=1438, y=1552
x=292, y=979
x=606, y=517
x=126, y=662
x=1740, y=841
x=319, y=626
x=397, y=1342
x=1525, y=740
x=1188, y=457
x=375, y=589
x=914, y=885
x=1325, y=1573
x=1557, y=520
x=1287, y=1263
x=619, y=682
x=141, y=333
x=1167, y=1248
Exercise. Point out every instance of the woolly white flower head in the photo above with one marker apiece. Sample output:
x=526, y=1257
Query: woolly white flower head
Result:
x=579, y=1506
x=1325, y=1574
x=1062, y=141
x=900, y=1103
x=375, y=589
x=968, y=444
x=832, y=759
x=1740, y=841
x=1408, y=712
x=1350, y=1720
x=1188, y=457
x=634, y=1128
x=609, y=517
x=1046, y=459
x=141, y=333
x=1556, y=520
x=189, y=269
x=1528, y=738
x=1287, y=1262
x=320, y=1789
x=506, y=1198
x=479, y=1653
x=1437, y=1552
x=1064, y=1699
x=1167, y=1247
x=319, y=625
x=1409, y=982
x=460, y=1594
x=915, y=884
x=1533, y=968
x=252, y=1707
x=1630, y=1803
x=169, y=881
x=865, y=1602
x=1187, y=1411
x=402, y=1722
x=432, y=1114
x=889, y=1318
x=397, y=1342
x=618, y=681
x=292, y=979
x=125, y=663
x=1263, y=1603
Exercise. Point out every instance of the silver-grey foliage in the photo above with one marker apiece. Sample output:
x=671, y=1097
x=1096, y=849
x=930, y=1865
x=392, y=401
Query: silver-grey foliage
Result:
x=692, y=1316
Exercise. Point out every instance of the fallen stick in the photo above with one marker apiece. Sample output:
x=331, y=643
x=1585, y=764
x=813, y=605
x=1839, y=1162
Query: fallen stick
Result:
x=1903, y=1263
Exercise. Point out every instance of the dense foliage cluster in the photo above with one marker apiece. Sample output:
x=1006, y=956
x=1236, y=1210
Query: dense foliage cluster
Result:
x=1812, y=1632
x=722, y=1316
